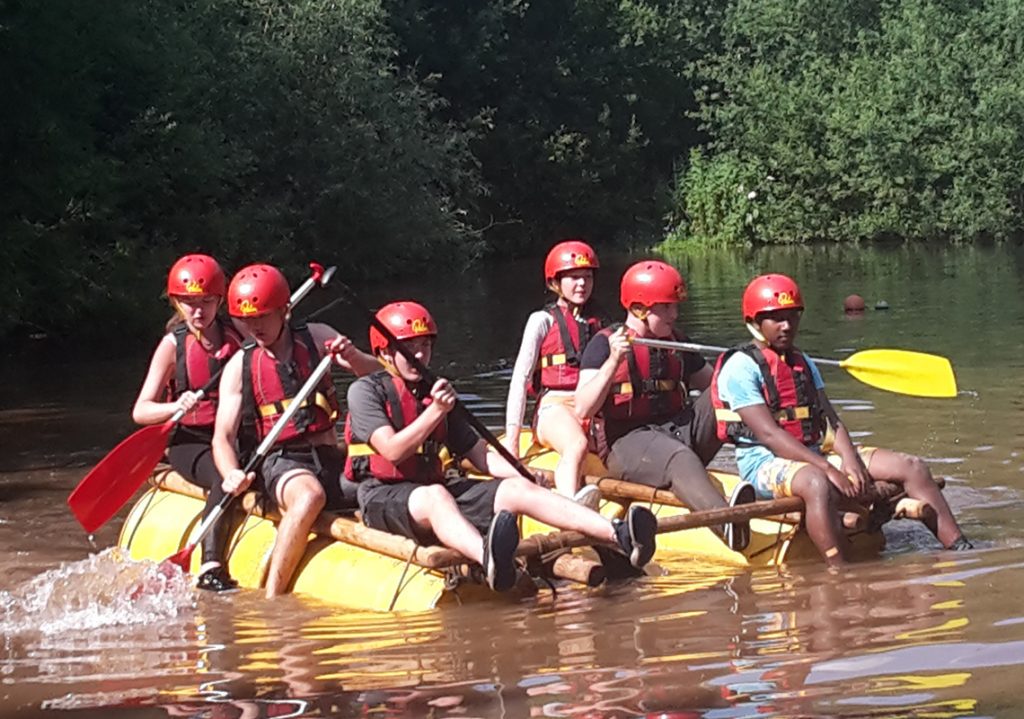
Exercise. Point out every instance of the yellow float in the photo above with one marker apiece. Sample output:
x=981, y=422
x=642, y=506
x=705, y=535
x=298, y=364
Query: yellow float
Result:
x=773, y=540
x=396, y=574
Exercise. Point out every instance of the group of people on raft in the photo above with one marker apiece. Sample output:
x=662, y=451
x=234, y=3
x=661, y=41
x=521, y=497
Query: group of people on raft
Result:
x=598, y=386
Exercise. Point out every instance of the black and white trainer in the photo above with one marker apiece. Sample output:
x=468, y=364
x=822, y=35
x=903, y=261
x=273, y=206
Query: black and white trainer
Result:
x=216, y=579
x=636, y=535
x=961, y=544
x=737, y=534
x=500, y=546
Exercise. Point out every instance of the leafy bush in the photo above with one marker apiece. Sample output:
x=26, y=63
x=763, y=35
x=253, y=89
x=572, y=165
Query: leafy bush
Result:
x=142, y=129
x=717, y=202
x=877, y=119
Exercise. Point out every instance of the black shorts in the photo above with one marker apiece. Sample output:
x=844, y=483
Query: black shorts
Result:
x=324, y=461
x=385, y=505
x=191, y=456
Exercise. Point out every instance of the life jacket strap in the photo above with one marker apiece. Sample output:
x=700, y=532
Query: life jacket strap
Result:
x=647, y=386
x=430, y=448
x=783, y=415
x=276, y=408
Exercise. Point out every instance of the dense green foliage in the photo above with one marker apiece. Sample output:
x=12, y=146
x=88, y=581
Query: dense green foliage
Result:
x=582, y=106
x=384, y=133
x=389, y=135
x=251, y=129
x=858, y=120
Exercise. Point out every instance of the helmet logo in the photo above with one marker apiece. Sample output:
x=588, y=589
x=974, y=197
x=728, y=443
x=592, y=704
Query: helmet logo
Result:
x=581, y=260
x=419, y=326
x=786, y=299
x=193, y=286
x=247, y=308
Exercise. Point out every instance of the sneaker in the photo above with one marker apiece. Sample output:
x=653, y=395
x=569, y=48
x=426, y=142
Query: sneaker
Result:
x=960, y=544
x=588, y=496
x=737, y=534
x=216, y=579
x=636, y=535
x=500, y=546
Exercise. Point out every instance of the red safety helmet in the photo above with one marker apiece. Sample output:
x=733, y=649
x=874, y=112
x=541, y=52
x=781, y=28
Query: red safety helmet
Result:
x=649, y=282
x=771, y=292
x=195, y=276
x=257, y=290
x=405, y=320
x=569, y=255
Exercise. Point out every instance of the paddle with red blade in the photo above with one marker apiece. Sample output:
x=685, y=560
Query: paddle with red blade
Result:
x=113, y=481
x=183, y=558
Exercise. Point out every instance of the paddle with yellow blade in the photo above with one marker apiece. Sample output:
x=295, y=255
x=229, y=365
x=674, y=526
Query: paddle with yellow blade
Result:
x=902, y=371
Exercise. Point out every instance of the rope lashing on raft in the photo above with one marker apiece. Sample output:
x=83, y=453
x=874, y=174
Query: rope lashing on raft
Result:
x=401, y=579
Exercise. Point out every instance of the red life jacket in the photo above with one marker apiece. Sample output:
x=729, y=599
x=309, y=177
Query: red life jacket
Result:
x=268, y=386
x=194, y=365
x=558, y=366
x=424, y=466
x=648, y=386
x=789, y=392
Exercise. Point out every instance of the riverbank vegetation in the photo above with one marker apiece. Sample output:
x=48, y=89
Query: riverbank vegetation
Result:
x=389, y=135
x=845, y=121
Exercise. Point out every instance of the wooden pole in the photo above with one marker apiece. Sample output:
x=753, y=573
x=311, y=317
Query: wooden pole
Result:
x=351, y=531
x=578, y=569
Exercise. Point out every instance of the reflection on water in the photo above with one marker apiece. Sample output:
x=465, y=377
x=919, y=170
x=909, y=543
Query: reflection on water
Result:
x=915, y=633
x=768, y=643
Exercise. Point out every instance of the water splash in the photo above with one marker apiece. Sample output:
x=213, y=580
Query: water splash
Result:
x=106, y=589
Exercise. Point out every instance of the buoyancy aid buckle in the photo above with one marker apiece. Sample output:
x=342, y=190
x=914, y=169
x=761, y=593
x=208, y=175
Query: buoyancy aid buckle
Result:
x=647, y=386
x=783, y=415
x=430, y=448
x=320, y=400
x=556, y=360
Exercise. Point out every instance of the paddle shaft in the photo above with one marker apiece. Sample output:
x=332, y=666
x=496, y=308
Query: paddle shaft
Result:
x=261, y=451
x=429, y=377
x=540, y=544
x=694, y=347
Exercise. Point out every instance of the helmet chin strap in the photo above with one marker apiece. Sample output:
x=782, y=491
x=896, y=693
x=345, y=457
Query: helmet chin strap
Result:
x=752, y=328
x=640, y=312
x=389, y=365
x=556, y=287
x=392, y=369
x=280, y=332
x=181, y=313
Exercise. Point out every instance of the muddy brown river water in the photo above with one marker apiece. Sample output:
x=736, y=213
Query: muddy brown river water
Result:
x=915, y=632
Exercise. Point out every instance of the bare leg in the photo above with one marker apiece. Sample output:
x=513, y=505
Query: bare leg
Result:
x=559, y=428
x=521, y=497
x=913, y=473
x=433, y=507
x=300, y=498
x=821, y=505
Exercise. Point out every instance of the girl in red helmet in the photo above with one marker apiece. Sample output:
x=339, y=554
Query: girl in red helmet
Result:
x=197, y=344
x=548, y=365
x=301, y=474
x=770, y=401
x=653, y=434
